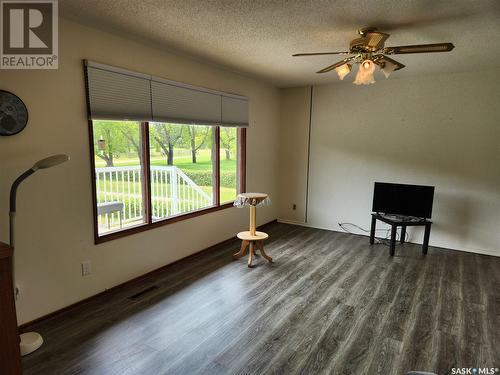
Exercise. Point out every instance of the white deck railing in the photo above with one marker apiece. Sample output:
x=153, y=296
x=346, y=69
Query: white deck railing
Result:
x=172, y=193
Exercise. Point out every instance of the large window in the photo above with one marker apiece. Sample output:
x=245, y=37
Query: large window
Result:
x=154, y=173
x=162, y=151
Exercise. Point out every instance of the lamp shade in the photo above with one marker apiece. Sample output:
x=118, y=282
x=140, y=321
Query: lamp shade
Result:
x=388, y=68
x=50, y=162
x=343, y=70
x=365, y=73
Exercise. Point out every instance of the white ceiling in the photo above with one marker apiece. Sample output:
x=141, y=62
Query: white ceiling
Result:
x=258, y=37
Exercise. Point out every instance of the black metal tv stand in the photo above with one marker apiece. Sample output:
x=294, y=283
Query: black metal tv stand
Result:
x=403, y=222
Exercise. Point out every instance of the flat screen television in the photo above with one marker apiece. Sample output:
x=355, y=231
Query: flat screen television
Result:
x=401, y=199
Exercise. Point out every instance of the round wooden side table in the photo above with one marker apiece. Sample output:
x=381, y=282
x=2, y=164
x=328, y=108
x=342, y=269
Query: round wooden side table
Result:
x=252, y=238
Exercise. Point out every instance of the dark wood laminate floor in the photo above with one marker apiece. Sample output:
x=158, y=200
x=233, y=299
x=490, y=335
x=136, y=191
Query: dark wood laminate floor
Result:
x=330, y=303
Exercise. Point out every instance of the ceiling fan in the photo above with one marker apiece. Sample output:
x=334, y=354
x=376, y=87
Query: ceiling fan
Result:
x=369, y=50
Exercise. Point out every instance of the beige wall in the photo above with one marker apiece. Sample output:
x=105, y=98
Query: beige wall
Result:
x=55, y=206
x=437, y=130
x=293, y=152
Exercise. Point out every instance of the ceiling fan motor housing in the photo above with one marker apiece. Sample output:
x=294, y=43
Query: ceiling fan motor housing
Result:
x=358, y=45
x=371, y=41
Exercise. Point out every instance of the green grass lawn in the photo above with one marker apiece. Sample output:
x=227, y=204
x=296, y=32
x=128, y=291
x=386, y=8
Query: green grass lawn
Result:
x=182, y=160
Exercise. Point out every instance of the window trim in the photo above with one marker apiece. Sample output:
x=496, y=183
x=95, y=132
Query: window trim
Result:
x=149, y=224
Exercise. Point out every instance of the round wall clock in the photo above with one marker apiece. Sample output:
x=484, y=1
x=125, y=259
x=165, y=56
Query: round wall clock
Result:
x=13, y=114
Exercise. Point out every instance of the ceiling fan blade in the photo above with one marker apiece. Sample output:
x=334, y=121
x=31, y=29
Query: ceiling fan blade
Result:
x=336, y=65
x=419, y=48
x=320, y=53
x=375, y=40
x=382, y=60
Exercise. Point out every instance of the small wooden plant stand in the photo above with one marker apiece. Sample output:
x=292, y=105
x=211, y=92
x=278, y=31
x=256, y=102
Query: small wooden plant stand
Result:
x=252, y=238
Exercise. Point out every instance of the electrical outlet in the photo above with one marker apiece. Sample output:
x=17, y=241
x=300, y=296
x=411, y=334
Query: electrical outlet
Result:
x=86, y=268
x=294, y=207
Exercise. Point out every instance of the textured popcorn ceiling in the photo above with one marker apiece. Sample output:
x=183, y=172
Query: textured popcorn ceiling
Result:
x=258, y=37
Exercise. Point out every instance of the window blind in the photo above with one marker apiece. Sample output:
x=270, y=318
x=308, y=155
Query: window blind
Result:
x=118, y=94
x=234, y=111
x=183, y=105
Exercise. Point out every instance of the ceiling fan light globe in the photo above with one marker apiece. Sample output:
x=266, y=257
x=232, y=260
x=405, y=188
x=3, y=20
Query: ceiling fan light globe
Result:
x=365, y=76
x=388, y=68
x=343, y=70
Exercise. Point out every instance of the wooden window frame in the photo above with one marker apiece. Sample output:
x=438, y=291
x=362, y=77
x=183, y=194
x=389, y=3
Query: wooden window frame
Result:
x=149, y=224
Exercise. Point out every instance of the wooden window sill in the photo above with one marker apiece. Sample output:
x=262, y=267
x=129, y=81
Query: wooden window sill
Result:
x=145, y=227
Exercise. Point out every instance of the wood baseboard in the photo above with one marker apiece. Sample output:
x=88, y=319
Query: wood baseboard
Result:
x=25, y=326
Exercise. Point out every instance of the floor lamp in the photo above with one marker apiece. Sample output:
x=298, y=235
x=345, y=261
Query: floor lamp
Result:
x=29, y=341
